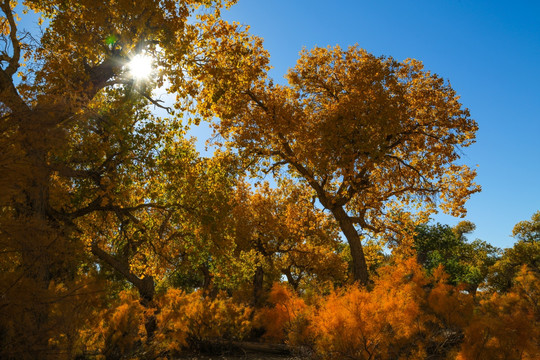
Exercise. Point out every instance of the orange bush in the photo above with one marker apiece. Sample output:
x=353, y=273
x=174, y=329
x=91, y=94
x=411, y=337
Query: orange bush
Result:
x=405, y=315
x=451, y=304
x=172, y=327
x=506, y=326
x=120, y=332
x=286, y=317
x=218, y=318
x=190, y=319
x=383, y=324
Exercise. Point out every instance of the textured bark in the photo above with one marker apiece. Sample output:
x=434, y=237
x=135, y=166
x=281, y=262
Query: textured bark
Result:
x=359, y=265
x=258, y=284
x=42, y=234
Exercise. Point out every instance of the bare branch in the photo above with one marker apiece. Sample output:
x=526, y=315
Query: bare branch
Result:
x=157, y=103
x=360, y=220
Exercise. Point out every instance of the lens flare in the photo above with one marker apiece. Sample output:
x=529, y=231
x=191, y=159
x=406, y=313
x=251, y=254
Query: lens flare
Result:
x=140, y=66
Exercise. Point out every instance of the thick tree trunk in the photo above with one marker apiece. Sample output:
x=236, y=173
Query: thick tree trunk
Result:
x=359, y=265
x=207, y=279
x=258, y=286
x=38, y=236
x=146, y=292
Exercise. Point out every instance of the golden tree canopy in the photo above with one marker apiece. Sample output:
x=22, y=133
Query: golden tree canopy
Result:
x=374, y=137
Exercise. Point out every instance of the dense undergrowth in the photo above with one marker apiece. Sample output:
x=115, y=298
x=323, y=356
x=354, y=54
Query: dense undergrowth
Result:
x=403, y=314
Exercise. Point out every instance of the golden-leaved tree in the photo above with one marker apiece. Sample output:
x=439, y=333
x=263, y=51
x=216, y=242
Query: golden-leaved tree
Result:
x=82, y=157
x=282, y=233
x=375, y=138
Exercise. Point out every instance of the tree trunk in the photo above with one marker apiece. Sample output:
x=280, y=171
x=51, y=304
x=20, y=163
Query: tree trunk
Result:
x=359, y=265
x=40, y=236
x=207, y=280
x=290, y=278
x=147, y=291
x=258, y=284
x=144, y=286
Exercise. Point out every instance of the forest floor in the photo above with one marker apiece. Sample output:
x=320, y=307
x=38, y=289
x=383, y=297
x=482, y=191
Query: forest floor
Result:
x=246, y=357
x=250, y=355
x=251, y=351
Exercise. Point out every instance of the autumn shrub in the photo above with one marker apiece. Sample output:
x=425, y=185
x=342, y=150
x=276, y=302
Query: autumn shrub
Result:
x=506, y=325
x=191, y=320
x=218, y=318
x=451, y=304
x=74, y=311
x=285, y=319
x=172, y=326
x=447, y=309
x=385, y=323
x=63, y=310
x=120, y=332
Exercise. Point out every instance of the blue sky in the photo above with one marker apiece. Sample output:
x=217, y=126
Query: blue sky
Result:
x=490, y=52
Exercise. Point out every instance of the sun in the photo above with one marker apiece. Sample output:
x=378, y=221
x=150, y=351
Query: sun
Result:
x=140, y=66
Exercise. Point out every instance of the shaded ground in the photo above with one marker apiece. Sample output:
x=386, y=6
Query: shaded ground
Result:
x=246, y=357
x=247, y=351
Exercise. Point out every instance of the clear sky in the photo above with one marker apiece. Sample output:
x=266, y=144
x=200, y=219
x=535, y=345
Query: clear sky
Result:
x=490, y=52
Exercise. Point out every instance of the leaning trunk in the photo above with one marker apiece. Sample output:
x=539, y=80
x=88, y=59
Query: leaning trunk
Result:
x=290, y=278
x=145, y=286
x=359, y=265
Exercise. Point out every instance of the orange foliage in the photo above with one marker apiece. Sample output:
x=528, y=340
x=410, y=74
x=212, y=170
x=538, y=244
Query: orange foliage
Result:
x=70, y=307
x=190, y=319
x=506, y=326
x=406, y=315
x=218, y=318
x=384, y=323
x=183, y=321
x=75, y=70
x=120, y=331
x=286, y=318
x=450, y=303
x=358, y=129
x=172, y=327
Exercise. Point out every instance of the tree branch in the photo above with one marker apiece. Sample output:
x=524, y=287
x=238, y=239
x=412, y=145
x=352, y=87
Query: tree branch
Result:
x=13, y=62
x=257, y=101
x=8, y=92
x=144, y=285
x=95, y=205
x=156, y=102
